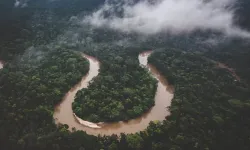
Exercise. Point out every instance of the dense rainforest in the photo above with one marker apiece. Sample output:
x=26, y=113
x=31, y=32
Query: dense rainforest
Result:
x=39, y=23
x=30, y=88
x=235, y=54
x=210, y=106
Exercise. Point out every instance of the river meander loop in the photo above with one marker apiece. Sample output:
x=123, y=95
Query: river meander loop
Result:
x=64, y=114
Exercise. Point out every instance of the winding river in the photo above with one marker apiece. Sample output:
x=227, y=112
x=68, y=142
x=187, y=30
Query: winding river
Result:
x=64, y=114
x=231, y=70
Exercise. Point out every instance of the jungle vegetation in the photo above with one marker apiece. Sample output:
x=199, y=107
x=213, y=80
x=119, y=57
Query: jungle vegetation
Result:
x=122, y=90
x=210, y=106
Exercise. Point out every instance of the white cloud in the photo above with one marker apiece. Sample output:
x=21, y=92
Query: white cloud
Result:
x=21, y=3
x=17, y=3
x=172, y=16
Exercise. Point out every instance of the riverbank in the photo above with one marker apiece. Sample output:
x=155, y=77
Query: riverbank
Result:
x=64, y=114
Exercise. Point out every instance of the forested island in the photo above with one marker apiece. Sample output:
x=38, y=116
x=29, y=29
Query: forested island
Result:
x=41, y=46
x=123, y=90
x=189, y=110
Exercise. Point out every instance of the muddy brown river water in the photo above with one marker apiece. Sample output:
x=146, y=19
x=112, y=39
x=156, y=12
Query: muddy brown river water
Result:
x=64, y=114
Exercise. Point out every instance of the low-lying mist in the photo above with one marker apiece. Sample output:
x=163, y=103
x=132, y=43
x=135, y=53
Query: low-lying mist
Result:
x=192, y=25
x=21, y=3
x=170, y=16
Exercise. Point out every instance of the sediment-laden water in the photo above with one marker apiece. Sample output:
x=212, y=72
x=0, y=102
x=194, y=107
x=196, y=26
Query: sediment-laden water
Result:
x=64, y=114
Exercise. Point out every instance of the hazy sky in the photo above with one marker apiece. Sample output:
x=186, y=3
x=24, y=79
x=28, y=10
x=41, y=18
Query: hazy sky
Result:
x=173, y=16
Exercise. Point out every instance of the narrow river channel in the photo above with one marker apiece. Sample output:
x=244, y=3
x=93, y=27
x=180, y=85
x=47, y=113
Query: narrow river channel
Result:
x=63, y=112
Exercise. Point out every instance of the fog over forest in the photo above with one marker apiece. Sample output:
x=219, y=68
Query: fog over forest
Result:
x=173, y=16
x=69, y=65
x=149, y=17
x=136, y=22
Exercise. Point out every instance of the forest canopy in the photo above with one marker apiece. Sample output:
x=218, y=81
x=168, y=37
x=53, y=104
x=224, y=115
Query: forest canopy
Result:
x=40, y=46
x=123, y=90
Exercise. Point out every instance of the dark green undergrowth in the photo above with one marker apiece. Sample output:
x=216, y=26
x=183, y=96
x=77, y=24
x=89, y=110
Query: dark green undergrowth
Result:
x=210, y=107
x=30, y=88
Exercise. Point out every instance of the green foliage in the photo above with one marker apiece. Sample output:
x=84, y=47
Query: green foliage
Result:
x=210, y=107
x=134, y=141
x=29, y=92
x=209, y=110
x=122, y=90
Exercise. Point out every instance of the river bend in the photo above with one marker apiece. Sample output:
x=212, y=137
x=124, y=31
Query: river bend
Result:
x=64, y=114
